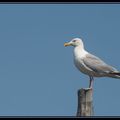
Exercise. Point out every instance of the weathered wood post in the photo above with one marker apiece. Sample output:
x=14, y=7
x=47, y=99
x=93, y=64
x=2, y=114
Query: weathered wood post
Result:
x=85, y=102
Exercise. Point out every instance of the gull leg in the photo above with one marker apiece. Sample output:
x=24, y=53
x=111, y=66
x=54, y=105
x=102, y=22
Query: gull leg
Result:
x=91, y=82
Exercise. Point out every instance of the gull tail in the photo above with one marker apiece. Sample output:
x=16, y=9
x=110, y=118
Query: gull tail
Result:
x=114, y=74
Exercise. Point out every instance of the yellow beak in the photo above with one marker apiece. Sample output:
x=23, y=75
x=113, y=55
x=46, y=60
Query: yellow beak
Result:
x=67, y=44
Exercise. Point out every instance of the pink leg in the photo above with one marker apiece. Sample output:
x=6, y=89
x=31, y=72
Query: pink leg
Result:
x=91, y=82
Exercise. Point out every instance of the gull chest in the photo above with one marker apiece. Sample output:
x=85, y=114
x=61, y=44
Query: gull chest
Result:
x=78, y=55
x=79, y=64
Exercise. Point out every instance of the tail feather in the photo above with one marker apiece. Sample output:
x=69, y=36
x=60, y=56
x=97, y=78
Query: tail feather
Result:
x=114, y=74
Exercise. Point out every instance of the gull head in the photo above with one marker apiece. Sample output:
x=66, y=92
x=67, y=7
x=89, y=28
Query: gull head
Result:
x=74, y=42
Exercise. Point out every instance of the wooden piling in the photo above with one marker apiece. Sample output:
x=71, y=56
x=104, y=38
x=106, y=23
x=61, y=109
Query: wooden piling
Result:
x=85, y=102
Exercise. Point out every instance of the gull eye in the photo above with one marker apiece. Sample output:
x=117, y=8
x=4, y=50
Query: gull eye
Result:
x=74, y=40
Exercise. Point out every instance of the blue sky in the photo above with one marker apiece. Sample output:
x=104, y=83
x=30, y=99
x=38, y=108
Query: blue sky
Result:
x=37, y=74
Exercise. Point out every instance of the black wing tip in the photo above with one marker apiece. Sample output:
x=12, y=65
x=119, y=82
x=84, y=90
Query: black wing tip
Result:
x=115, y=73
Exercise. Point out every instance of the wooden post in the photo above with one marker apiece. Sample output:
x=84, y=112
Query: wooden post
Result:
x=85, y=105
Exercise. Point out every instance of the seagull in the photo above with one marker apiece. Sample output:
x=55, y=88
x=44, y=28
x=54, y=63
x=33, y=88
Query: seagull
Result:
x=90, y=64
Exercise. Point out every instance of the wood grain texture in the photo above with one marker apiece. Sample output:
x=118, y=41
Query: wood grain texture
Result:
x=85, y=102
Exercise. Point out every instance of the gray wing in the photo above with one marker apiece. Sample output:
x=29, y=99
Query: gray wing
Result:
x=97, y=65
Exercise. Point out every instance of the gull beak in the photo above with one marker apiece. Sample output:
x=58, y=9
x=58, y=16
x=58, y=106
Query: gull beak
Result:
x=67, y=44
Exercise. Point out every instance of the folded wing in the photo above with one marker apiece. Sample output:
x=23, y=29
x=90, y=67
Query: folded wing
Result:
x=97, y=65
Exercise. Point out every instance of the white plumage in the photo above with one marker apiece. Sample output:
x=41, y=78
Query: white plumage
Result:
x=90, y=64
